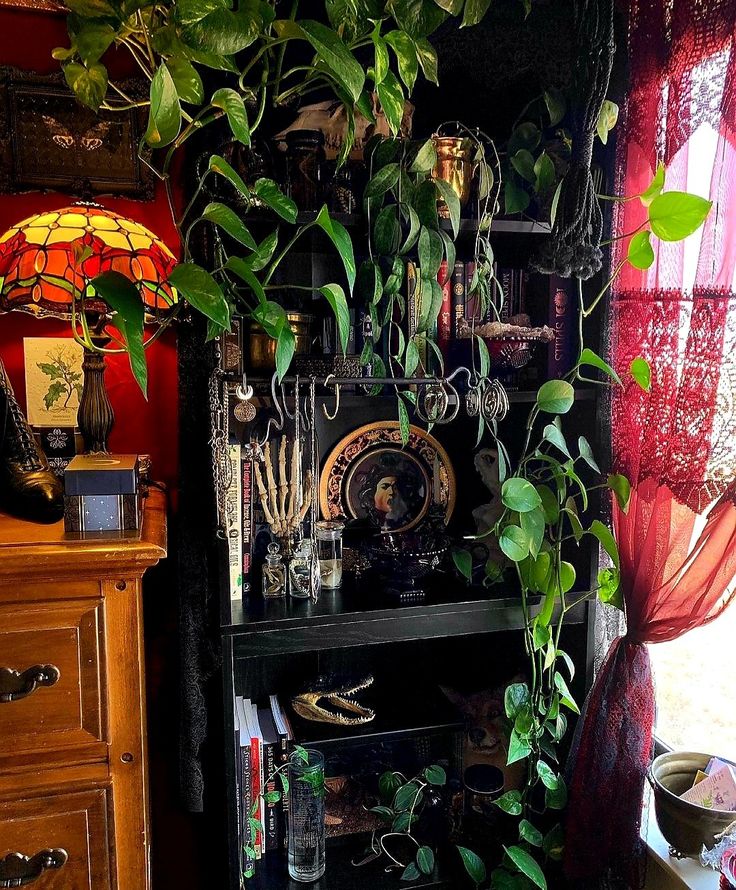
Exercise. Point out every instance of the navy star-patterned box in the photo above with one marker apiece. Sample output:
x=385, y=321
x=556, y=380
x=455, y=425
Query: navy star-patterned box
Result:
x=101, y=493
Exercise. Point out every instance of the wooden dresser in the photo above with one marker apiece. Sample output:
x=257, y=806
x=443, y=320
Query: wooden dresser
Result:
x=73, y=771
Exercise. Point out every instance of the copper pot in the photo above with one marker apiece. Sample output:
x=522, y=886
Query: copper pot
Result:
x=685, y=826
x=455, y=165
x=262, y=348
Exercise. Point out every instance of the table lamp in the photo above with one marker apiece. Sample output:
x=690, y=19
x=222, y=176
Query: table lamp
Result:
x=46, y=264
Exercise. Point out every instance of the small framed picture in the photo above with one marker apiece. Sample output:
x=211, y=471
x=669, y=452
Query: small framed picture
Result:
x=49, y=140
x=54, y=380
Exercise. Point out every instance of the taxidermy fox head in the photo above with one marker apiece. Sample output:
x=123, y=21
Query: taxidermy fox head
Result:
x=487, y=731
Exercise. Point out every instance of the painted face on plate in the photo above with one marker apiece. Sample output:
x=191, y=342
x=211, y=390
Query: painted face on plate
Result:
x=386, y=491
x=390, y=489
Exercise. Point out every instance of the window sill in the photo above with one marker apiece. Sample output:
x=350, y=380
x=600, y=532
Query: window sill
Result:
x=667, y=872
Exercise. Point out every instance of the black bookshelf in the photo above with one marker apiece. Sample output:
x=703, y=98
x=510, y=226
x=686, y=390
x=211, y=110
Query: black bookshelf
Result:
x=342, y=874
x=346, y=618
x=511, y=226
x=272, y=646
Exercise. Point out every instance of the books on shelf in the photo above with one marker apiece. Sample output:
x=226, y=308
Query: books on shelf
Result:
x=248, y=841
x=461, y=300
x=262, y=737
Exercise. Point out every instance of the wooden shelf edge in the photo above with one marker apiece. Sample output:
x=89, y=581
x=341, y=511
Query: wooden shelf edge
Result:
x=40, y=553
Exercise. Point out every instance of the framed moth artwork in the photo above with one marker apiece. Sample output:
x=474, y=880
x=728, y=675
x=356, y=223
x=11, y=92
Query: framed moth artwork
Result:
x=49, y=141
x=370, y=475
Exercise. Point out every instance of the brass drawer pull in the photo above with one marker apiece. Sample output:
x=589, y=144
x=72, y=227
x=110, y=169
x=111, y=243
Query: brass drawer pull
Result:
x=18, y=684
x=17, y=870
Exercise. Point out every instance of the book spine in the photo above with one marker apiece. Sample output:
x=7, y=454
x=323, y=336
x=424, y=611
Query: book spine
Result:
x=458, y=296
x=472, y=297
x=414, y=313
x=272, y=809
x=505, y=279
x=561, y=320
x=247, y=796
x=262, y=778
x=352, y=333
x=239, y=814
x=233, y=522
x=444, y=320
x=255, y=784
x=412, y=310
x=247, y=520
x=523, y=282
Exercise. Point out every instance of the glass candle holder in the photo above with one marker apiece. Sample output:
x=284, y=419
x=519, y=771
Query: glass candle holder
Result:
x=306, y=841
x=329, y=550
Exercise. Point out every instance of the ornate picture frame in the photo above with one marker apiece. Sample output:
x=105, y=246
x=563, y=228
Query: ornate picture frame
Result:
x=49, y=141
x=370, y=475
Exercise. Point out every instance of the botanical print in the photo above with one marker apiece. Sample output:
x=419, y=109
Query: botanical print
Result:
x=54, y=379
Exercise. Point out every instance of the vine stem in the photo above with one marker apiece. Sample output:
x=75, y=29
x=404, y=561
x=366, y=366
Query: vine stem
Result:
x=274, y=265
x=586, y=312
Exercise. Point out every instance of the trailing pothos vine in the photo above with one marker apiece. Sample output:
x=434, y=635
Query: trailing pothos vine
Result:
x=257, y=62
x=401, y=203
x=546, y=498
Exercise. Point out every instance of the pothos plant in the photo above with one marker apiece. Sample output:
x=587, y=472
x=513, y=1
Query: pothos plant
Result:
x=400, y=806
x=537, y=153
x=546, y=497
x=316, y=779
x=401, y=202
x=257, y=61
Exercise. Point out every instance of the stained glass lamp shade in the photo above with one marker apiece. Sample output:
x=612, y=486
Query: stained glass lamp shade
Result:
x=41, y=272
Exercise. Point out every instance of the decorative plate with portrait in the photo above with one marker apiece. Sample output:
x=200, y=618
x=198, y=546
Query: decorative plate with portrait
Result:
x=370, y=475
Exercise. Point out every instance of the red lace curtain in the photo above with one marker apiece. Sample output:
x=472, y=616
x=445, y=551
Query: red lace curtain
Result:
x=677, y=442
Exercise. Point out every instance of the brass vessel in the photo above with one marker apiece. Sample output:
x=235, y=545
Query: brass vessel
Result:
x=262, y=348
x=455, y=165
x=685, y=826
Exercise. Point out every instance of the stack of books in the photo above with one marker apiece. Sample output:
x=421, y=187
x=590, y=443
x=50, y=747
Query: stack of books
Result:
x=262, y=737
x=461, y=301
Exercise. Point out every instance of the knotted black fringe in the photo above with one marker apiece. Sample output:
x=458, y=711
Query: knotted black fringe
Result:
x=573, y=248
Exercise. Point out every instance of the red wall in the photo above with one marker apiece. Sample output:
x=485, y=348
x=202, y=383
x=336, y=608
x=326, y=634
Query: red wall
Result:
x=144, y=427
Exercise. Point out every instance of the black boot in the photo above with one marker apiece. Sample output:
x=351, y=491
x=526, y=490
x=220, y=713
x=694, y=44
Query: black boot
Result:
x=28, y=488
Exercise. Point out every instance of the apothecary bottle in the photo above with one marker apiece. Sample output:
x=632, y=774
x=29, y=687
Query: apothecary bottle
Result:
x=306, y=822
x=305, y=168
x=329, y=550
x=304, y=579
x=274, y=573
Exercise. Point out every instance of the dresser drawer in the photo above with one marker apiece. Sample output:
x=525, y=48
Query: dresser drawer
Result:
x=51, y=676
x=27, y=591
x=60, y=842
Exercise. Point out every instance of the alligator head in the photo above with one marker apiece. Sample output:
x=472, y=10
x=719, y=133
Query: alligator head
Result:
x=330, y=701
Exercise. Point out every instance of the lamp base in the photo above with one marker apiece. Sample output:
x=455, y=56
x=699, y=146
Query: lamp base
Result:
x=95, y=416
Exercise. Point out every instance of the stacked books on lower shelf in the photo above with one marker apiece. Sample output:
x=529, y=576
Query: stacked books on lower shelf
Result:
x=262, y=738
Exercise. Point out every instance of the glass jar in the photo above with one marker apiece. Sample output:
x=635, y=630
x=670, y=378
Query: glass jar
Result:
x=305, y=162
x=306, y=822
x=341, y=197
x=274, y=573
x=329, y=550
x=304, y=579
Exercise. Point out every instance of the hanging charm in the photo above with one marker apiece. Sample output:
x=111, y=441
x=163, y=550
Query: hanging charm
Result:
x=244, y=410
x=494, y=403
